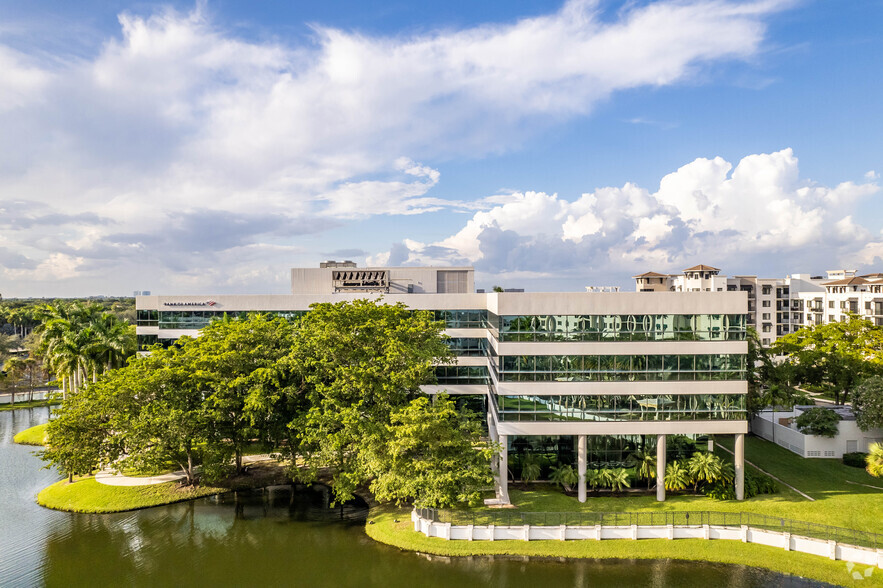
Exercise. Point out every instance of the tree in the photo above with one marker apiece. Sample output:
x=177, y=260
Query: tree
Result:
x=355, y=364
x=618, y=479
x=875, y=460
x=836, y=355
x=595, y=479
x=644, y=464
x=236, y=363
x=530, y=468
x=677, y=477
x=867, y=403
x=166, y=420
x=431, y=454
x=770, y=381
x=704, y=467
x=79, y=437
x=818, y=421
x=564, y=476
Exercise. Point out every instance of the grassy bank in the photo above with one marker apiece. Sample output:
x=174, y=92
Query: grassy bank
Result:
x=33, y=436
x=34, y=404
x=403, y=536
x=88, y=496
x=840, y=500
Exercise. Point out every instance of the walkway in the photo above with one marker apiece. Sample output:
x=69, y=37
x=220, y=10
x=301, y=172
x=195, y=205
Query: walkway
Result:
x=111, y=477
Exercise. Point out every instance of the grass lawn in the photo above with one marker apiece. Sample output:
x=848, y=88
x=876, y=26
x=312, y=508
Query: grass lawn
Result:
x=34, y=404
x=403, y=536
x=836, y=503
x=33, y=436
x=88, y=496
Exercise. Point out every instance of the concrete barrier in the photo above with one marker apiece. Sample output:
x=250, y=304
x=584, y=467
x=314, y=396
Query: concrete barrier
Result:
x=782, y=540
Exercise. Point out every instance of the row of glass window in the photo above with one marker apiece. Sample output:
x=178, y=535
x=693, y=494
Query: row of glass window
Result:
x=630, y=327
x=197, y=319
x=621, y=363
x=467, y=346
x=643, y=407
x=461, y=374
x=463, y=319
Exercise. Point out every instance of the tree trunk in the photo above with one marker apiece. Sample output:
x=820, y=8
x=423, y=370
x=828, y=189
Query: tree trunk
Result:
x=70, y=478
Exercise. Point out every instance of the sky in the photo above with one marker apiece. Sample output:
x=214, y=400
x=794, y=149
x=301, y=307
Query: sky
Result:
x=199, y=148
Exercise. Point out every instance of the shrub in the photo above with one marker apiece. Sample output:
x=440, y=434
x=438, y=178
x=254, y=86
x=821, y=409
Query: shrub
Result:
x=755, y=484
x=855, y=460
x=818, y=421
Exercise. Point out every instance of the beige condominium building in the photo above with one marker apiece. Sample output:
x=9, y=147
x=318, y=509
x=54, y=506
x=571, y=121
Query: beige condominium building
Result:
x=779, y=306
x=591, y=376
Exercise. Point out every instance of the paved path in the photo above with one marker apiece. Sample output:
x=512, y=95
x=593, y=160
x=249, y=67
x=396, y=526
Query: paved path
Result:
x=807, y=496
x=111, y=477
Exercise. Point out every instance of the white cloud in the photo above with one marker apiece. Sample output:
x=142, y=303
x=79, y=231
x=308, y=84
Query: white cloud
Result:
x=176, y=118
x=706, y=210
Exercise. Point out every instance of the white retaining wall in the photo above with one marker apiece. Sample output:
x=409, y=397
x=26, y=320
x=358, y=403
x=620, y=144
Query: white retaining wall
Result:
x=786, y=541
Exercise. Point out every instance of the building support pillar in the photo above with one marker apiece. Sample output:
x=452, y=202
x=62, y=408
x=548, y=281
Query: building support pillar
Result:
x=581, y=467
x=503, y=470
x=660, y=468
x=739, y=465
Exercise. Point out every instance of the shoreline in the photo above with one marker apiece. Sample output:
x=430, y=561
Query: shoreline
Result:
x=381, y=528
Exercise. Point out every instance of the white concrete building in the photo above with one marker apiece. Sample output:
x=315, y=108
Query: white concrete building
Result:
x=779, y=306
x=780, y=427
x=596, y=374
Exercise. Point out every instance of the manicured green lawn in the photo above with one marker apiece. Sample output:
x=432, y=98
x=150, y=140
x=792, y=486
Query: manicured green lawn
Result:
x=33, y=436
x=836, y=503
x=403, y=536
x=87, y=495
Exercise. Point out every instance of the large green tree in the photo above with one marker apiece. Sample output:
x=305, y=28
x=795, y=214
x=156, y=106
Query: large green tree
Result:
x=835, y=355
x=431, y=454
x=236, y=363
x=356, y=363
x=770, y=380
x=867, y=402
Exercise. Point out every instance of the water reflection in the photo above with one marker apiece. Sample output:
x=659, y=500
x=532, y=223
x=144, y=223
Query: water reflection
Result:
x=281, y=536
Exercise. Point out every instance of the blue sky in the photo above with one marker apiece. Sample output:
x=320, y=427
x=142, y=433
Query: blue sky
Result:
x=206, y=148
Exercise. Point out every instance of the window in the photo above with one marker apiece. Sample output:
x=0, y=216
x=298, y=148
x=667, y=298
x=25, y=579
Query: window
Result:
x=767, y=327
x=766, y=316
x=830, y=304
x=765, y=303
x=767, y=290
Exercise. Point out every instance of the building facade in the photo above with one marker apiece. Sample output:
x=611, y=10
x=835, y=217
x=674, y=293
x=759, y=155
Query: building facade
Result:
x=598, y=374
x=779, y=306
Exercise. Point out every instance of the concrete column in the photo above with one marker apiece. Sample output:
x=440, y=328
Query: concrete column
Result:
x=739, y=465
x=581, y=467
x=503, y=473
x=660, y=468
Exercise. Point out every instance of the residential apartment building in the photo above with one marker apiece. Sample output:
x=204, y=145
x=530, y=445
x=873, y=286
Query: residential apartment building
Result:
x=597, y=374
x=779, y=306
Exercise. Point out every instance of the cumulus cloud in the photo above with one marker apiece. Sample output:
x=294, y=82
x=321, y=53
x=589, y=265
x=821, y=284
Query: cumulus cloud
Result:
x=176, y=118
x=707, y=210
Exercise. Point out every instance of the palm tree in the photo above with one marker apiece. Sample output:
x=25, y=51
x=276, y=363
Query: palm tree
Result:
x=619, y=479
x=875, y=460
x=595, y=479
x=644, y=464
x=677, y=477
x=530, y=468
x=564, y=476
x=704, y=467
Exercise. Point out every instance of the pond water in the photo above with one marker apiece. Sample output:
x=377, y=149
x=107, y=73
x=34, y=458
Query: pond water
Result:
x=278, y=537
